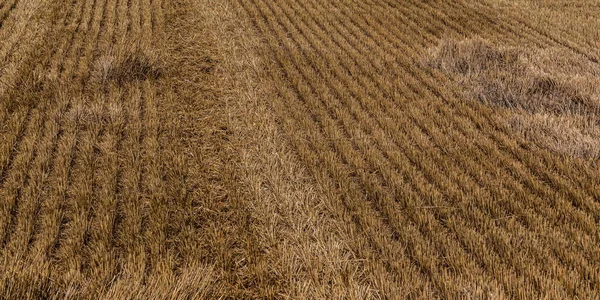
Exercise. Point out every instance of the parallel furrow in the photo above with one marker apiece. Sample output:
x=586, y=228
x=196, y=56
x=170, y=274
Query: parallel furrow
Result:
x=53, y=210
x=127, y=227
x=461, y=185
x=16, y=176
x=135, y=215
x=583, y=174
x=146, y=23
x=409, y=66
x=98, y=257
x=390, y=151
x=518, y=20
x=336, y=111
x=89, y=116
x=563, y=167
x=438, y=77
x=15, y=34
x=515, y=178
x=103, y=185
x=86, y=53
x=70, y=57
x=155, y=257
x=51, y=129
x=441, y=161
x=327, y=155
x=13, y=132
x=155, y=206
x=71, y=24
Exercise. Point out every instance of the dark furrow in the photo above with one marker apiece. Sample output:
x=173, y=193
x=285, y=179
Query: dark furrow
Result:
x=107, y=33
x=142, y=174
x=136, y=25
x=146, y=180
x=66, y=42
x=153, y=20
x=62, y=194
x=160, y=18
x=129, y=18
x=150, y=186
x=128, y=193
x=91, y=45
x=142, y=207
x=74, y=42
x=155, y=201
x=142, y=17
x=104, y=209
x=13, y=151
x=37, y=227
x=13, y=191
x=77, y=45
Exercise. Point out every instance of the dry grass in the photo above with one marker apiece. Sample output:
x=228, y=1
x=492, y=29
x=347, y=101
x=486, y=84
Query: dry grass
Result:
x=126, y=68
x=552, y=94
x=296, y=149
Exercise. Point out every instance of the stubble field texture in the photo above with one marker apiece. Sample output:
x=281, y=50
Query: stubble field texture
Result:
x=299, y=149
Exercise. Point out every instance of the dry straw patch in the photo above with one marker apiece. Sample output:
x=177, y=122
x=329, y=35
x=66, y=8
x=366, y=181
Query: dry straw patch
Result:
x=125, y=65
x=551, y=95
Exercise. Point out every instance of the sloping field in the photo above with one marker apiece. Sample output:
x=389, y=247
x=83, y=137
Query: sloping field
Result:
x=304, y=149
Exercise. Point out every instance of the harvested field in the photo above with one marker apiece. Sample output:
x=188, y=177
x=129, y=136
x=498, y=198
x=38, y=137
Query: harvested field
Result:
x=196, y=149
